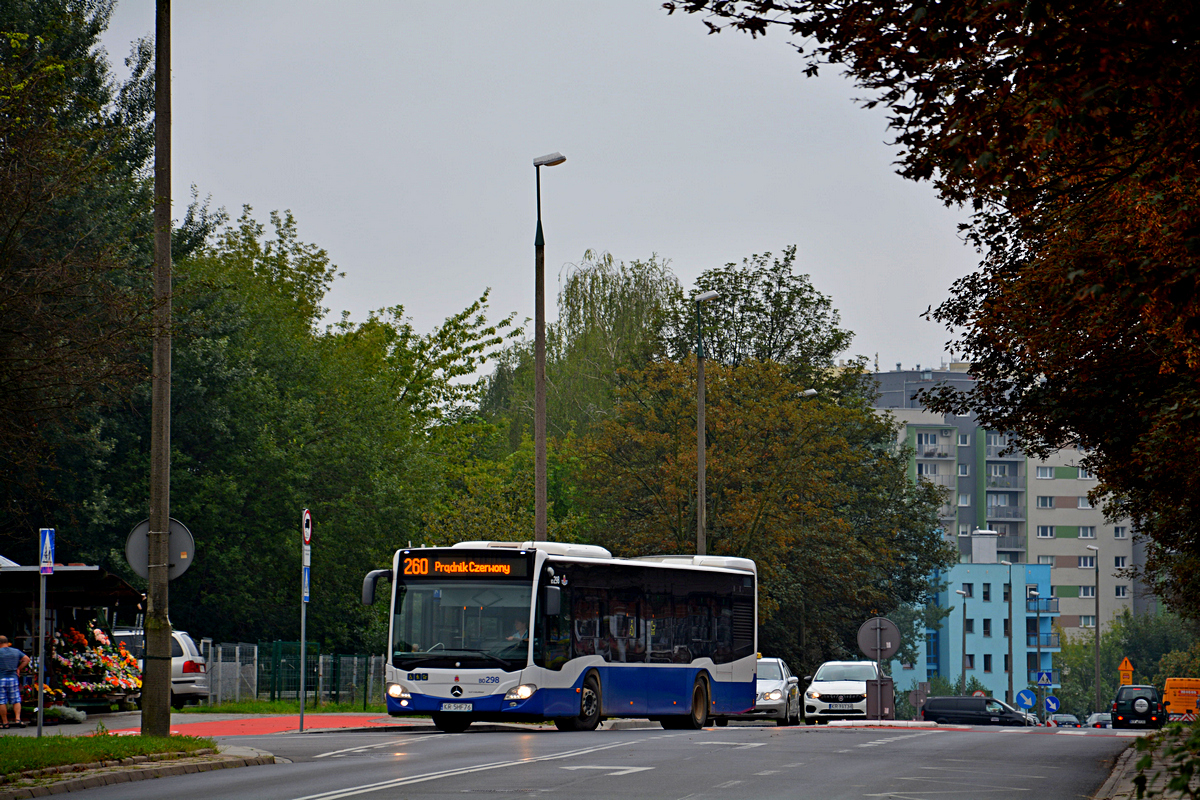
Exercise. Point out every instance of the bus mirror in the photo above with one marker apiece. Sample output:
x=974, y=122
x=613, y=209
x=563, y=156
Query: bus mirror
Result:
x=368, y=595
x=552, y=603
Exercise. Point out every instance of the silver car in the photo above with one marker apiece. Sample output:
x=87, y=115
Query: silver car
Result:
x=189, y=672
x=777, y=694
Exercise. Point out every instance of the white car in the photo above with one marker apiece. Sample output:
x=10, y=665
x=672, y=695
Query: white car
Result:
x=838, y=690
x=189, y=672
x=777, y=694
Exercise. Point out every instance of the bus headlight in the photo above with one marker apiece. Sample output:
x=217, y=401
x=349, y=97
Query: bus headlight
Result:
x=522, y=692
x=397, y=691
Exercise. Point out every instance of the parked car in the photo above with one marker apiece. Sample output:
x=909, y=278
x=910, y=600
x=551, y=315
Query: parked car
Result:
x=971, y=711
x=777, y=694
x=838, y=690
x=1138, y=707
x=1066, y=721
x=189, y=672
x=1101, y=719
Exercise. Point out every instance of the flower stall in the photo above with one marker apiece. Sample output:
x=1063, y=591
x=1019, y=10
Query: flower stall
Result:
x=90, y=670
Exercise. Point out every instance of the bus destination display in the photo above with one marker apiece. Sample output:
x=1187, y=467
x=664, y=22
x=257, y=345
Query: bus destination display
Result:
x=450, y=565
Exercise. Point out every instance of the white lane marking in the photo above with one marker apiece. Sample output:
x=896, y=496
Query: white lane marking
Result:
x=768, y=772
x=450, y=773
x=365, y=747
x=976, y=788
x=738, y=744
x=977, y=772
x=619, y=770
x=726, y=785
x=1072, y=733
x=791, y=766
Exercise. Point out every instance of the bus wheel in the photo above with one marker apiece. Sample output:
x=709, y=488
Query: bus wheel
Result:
x=589, y=708
x=451, y=723
x=699, y=716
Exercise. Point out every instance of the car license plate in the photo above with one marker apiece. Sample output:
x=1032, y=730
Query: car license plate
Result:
x=841, y=706
x=456, y=706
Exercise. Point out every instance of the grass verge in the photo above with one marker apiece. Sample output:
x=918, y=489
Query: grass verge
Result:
x=19, y=753
x=285, y=707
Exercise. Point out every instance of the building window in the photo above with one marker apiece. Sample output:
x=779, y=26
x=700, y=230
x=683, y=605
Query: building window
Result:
x=964, y=470
x=987, y=662
x=994, y=500
x=1007, y=595
x=1087, y=531
x=970, y=624
x=997, y=470
x=1087, y=591
x=970, y=661
x=1120, y=532
x=964, y=440
x=987, y=627
x=987, y=593
x=1045, y=473
x=1087, y=562
x=969, y=588
x=1119, y=562
x=926, y=469
x=964, y=529
x=1053, y=590
x=1085, y=474
x=1087, y=620
x=1046, y=559
x=1007, y=666
x=1007, y=631
x=1045, y=532
x=1122, y=591
x=1084, y=502
x=996, y=440
x=964, y=499
x=1045, y=502
x=926, y=439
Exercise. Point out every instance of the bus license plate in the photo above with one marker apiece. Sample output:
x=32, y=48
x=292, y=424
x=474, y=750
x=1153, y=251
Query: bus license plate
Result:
x=841, y=706
x=456, y=706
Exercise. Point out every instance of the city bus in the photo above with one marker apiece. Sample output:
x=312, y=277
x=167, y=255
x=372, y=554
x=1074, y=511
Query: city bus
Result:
x=535, y=631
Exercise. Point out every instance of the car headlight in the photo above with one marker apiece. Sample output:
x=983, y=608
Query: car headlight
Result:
x=522, y=692
x=811, y=695
x=397, y=691
x=774, y=694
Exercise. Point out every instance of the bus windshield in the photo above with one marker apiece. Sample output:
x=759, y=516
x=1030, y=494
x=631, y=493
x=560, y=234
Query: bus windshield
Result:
x=461, y=623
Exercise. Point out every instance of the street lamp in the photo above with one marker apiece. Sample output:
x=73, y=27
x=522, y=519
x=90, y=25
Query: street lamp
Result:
x=1037, y=604
x=1012, y=667
x=961, y=593
x=1096, y=555
x=539, y=355
x=701, y=444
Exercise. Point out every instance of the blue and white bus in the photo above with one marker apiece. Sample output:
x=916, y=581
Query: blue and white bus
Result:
x=525, y=631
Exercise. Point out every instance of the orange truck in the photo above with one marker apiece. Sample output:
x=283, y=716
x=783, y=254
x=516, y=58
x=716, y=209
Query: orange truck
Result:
x=1183, y=694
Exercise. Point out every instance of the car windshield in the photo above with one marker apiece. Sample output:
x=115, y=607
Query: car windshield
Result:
x=846, y=672
x=769, y=671
x=461, y=623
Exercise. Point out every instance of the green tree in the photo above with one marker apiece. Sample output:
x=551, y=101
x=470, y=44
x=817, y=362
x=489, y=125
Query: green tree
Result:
x=1179, y=664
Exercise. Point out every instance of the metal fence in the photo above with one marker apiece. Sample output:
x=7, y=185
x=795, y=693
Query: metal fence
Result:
x=271, y=671
x=232, y=672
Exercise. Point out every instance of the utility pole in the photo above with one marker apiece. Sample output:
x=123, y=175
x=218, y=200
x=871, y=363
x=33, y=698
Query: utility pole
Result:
x=156, y=685
x=1012, y=667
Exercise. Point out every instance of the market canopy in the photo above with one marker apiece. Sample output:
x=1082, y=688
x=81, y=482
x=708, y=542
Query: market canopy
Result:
x=75, y=585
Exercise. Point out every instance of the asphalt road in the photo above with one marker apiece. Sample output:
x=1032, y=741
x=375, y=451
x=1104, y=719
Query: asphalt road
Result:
x=738, y=761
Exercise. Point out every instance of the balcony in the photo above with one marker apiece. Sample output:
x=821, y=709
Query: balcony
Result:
x=994, y=451
x=934, y=451
x=1013, y=482
x=1047, y=640
x=945, y=481
x=1010, y=542
x=1006, y=512
x=1046, y=605
x=1055, y=677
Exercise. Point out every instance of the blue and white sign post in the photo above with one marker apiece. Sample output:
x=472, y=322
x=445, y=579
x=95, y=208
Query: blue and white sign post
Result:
x=46, y=548
x=306, y=525
x=1026, y=699
x=1052, y=704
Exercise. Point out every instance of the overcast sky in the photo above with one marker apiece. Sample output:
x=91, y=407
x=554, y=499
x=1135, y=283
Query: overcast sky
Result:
x=401, y=134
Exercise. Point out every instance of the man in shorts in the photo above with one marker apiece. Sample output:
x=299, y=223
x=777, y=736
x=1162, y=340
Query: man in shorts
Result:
x=12, y=661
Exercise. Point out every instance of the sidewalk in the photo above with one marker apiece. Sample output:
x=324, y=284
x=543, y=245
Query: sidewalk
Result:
x=129, y=722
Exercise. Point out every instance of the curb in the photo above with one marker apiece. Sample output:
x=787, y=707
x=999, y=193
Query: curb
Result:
x=1122, y=773
x=127, y=770
x=881, y=723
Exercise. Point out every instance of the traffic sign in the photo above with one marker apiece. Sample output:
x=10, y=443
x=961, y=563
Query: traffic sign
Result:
x=1051, y=704
x=180, y=543
x=305, y=584
x=979, y=693
x=878, y=638
x=46, y=546
x=1126, y=670
x=1044, y=679
x=306, y=527
x=1026, y=699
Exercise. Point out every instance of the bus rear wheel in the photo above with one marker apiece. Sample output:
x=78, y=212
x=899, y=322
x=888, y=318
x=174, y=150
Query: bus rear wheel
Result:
x=589, y=708
x=451, y=723
x=699, y=716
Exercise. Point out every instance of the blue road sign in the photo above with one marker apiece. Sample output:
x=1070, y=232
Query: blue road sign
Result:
x=1044, y=679
x=46, y=546
x=306, y=584
x=1052, y=704
x=1026, y=699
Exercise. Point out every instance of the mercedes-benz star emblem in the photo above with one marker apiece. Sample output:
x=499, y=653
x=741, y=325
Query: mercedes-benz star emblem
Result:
x=456, y=691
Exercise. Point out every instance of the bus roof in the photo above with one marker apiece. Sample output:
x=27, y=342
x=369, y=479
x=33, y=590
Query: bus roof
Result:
x=571, y=550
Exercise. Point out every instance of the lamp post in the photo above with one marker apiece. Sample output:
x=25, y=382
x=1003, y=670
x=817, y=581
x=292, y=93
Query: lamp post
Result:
x=701, y=444
x=1037, y=605
x=1096, y=555
x=963, y=594
x=1012, y=667
x=539, y=355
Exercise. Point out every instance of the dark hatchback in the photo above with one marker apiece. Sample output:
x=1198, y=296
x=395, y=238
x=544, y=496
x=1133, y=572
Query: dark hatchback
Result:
x=1138, y=707
x=971, y=711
